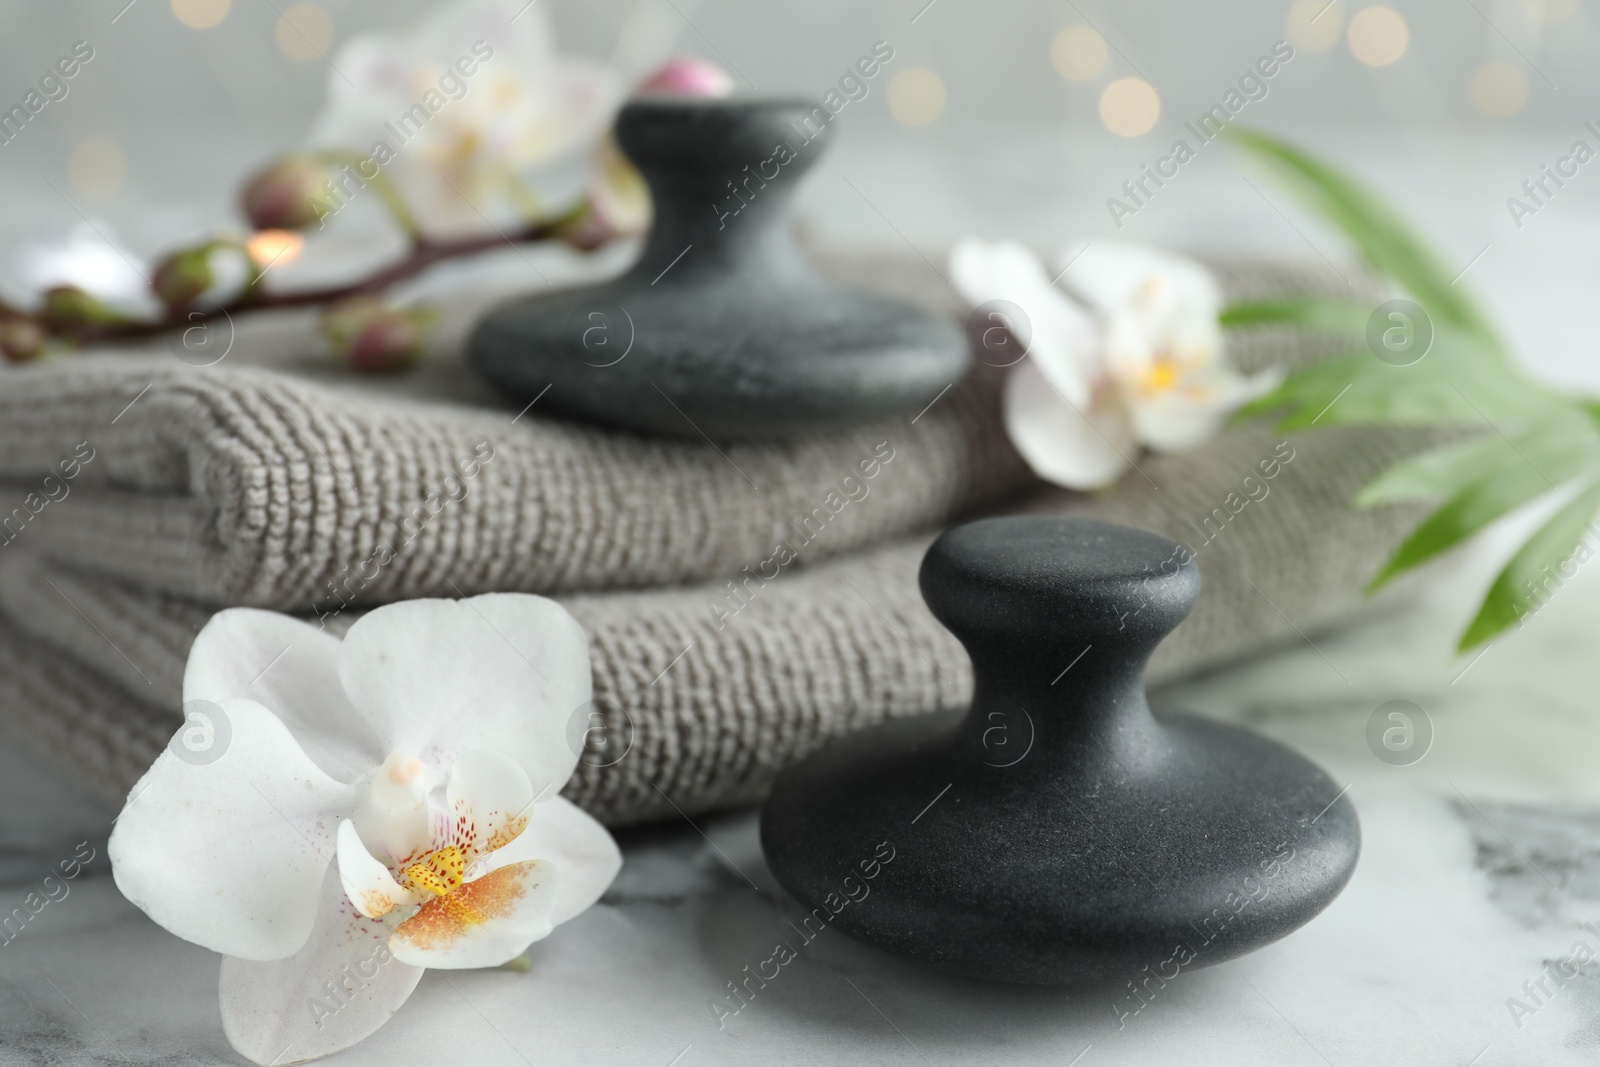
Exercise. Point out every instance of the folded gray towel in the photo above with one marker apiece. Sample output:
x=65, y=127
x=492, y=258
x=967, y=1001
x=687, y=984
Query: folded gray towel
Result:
x=266, y=480
x=244, y=486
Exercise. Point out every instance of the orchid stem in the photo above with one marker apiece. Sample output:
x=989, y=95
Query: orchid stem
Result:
x=424, y=254
x=392, y=200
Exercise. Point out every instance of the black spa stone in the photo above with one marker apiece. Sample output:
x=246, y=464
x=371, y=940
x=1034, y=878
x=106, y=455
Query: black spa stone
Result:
x=1058, y=831
x=721, y=327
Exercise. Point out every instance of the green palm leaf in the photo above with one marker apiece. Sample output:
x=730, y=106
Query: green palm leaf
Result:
x=1538, y=439
x=1534, y=573
x=1382, y=238
x=1335, y=316
x=1442, y=473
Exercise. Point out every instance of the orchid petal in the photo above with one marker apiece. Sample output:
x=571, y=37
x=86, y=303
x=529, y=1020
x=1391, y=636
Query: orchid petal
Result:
x=490, y=801
x=343, y=985
x=1062, y=340
x=368, y=884
x=1111, y=275
x=292, y=668
x=481, y=923
x=394, y=818
x=231, y=853
x=439, y=678
x=1173, y=424
x=1130, y=344
x=1181, y=420
x=1063, y=444
x=583, y=852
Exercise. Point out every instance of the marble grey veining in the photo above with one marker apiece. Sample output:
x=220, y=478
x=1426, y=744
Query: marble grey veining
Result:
x=1543, y=863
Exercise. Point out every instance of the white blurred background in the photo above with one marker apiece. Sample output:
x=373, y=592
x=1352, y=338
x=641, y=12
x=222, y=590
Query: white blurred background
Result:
x=1019, y=118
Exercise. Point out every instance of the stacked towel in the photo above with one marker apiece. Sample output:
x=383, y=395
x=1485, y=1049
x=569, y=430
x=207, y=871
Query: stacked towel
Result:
x=745, y=601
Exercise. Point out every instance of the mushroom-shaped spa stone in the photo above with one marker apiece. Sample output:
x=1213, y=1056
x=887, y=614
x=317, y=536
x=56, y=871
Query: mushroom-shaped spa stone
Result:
x=720, y=328
x=1059, y=831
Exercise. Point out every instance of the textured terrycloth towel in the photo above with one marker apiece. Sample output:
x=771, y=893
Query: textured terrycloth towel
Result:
x=236, y=484
x=242, y=484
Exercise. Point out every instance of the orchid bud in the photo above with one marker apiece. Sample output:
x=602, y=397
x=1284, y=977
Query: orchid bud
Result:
x=68, y=306
x=205, y=276
x=288, y=195
x=346, y=318
x=388, y=344
x=687, y=77
x=182, y=277
x=375, y=338
x=21, y=337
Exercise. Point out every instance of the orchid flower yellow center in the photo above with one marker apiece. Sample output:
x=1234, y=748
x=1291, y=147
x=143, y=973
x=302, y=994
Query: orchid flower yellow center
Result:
x=432, y=852
x=434, y=875
x=438, y=873
x=1177, y=357
x=1159, y=376
x=1170, y=370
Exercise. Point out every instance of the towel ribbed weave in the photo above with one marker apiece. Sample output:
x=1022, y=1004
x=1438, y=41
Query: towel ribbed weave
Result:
x=242, y=485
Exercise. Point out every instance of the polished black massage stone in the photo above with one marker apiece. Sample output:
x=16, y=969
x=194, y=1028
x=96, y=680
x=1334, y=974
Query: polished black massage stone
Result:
x=720, y=328
x=1059, y=831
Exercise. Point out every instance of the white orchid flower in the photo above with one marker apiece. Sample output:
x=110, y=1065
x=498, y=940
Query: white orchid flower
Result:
x=342, y=814
x=472, y=158
x=1137, y=361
